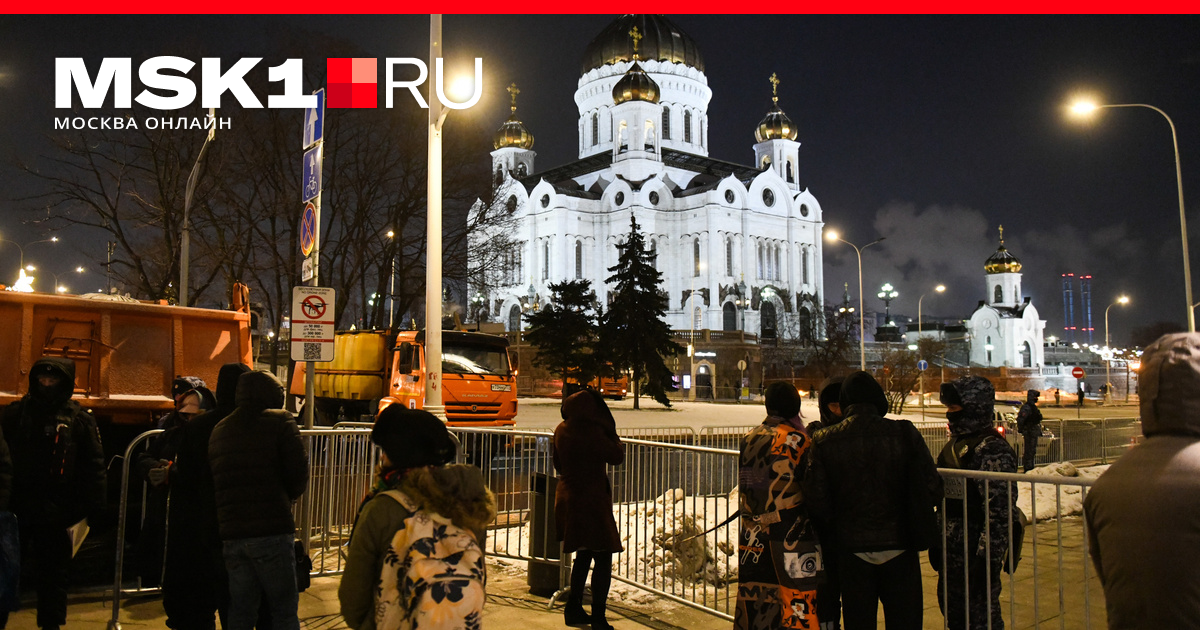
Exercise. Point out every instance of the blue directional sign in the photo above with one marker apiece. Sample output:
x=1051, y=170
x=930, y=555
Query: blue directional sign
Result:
x=314, y=120
x=310, y=183
x=922, y=365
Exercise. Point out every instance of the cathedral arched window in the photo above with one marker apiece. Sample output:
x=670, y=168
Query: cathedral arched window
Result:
x=778, y=268
x=804, y=264
x=654, y=252
x=578, y=260
x=696, y=258
x=766, y=162
x=595, y=129
x=687, y=126
x=666, y=123
x=499, y=174
x=760, y=261
x=791, y=177
x=697, y=319
x=514, y=318
x=728, y=256
x=546, y=259
x=999, y=294
x=649, y=135
x=522, y=170
x=729, y=317
x=622, y=138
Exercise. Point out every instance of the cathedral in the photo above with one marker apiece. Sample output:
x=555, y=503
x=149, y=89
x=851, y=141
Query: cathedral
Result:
x=739, y=245
x=1005, y=330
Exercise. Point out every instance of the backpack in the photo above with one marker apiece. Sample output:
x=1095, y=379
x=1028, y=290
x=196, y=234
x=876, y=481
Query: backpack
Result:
x=957, y=454
x=433, y=574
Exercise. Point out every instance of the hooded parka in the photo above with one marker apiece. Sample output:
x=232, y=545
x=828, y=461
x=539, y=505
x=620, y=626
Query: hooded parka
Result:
x=1144, y=527
x=584, y=442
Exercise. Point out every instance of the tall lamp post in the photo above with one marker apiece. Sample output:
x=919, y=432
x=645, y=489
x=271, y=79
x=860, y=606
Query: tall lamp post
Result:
x=743, y=302
x=185, y=237
x=1124, y=299
x=831, y=236
x=391, y=234
x=21, y=249
x=1085, y=108
x=477, y=302
x=941, y=288
x=59, y=288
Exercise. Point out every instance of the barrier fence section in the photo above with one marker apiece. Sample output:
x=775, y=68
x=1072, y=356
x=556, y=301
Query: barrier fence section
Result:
x=1054, y=584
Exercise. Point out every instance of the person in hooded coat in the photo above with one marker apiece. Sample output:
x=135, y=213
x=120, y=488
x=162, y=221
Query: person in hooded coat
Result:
x=1142, y=522
x=829, y=594
x=195, y=584
x=415, y=459
x=259, y=468
x=872, y=481
x=779, y=558
x=58, y=478
x=584, y=442
x=974, y=445
x=1029, y=425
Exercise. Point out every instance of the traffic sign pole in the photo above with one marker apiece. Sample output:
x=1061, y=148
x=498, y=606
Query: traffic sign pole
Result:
x=314, y=131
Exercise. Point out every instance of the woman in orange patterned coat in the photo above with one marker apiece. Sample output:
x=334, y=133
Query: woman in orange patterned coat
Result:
x=779, y=560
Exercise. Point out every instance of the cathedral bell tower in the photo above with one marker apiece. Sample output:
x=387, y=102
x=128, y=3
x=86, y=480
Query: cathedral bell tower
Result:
x=635, y=118
x=777, y=148
x=1003, y=277
x=513, y=143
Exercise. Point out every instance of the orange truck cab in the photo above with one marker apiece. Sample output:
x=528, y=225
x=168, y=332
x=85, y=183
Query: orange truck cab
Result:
x=479, y=386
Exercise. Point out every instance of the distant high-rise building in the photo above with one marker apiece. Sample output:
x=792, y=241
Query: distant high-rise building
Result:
x=1068, y=282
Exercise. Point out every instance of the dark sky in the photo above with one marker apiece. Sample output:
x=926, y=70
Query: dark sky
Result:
x=930, y=131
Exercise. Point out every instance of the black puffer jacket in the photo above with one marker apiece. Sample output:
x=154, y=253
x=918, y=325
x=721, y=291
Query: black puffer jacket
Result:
x=56, y=481
x=861, y=468
x=259, y=464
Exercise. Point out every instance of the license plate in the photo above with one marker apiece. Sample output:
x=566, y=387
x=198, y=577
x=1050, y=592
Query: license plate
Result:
x=501, y=387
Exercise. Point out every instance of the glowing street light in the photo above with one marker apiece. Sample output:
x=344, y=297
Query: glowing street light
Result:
x=1124, y=299
x=1084, y=108
x=831, y=236
x=941, y=288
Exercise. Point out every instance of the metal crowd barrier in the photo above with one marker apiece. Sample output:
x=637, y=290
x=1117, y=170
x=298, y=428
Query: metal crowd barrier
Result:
x=136, y=446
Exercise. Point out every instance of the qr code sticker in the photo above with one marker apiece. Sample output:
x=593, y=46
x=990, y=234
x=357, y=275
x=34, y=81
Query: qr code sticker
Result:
x=312, y=352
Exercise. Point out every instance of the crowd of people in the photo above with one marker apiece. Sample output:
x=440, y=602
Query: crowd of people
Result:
x=833, y=514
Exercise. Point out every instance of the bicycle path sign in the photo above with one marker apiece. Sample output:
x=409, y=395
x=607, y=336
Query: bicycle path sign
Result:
x=312, y=323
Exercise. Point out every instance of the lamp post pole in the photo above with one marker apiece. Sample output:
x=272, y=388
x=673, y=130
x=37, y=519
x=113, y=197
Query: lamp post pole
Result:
x=1108, y=347
x=939, y=288
x=433, y=230
x=185, y=237
x=1084, y=108
x=862, y=327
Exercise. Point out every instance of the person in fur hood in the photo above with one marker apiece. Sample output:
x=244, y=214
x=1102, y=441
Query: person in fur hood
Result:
x=416, y=454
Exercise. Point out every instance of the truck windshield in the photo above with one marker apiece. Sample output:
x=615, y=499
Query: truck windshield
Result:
x=482, y=359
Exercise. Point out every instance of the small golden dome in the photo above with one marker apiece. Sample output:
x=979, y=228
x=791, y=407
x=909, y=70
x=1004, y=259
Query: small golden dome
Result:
x=775, y=125
x=513, y=132
x=1002, y=261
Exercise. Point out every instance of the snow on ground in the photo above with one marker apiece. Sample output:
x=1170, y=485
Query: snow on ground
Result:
x=1071, y=496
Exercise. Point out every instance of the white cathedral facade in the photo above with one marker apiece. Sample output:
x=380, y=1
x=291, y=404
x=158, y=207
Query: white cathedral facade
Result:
x=1005, y=330
x=739, y=245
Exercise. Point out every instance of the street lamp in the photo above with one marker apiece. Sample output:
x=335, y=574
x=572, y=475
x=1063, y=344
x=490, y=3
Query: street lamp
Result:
x=1124, y=299
x=185, y=237
x=887, y=293
x=58, y=288
x=862, y=340
x=392, y=282
x=477, y=302
x=1085, y=108
x=742, y=301
x=52, y=239
x=941, y=288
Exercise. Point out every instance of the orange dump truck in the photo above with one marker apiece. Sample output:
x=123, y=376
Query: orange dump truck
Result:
x=376, y=368
x=126, y=352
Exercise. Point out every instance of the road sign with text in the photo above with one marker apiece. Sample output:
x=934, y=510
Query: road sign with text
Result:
x=312, y=323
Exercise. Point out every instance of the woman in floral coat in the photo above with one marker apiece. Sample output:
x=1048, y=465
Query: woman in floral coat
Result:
x=779, y=560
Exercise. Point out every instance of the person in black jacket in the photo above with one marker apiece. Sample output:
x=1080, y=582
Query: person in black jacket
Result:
x=58, y=478
x=1029, y=425
x=259, y=467
x=195, y=584
x=872, y=480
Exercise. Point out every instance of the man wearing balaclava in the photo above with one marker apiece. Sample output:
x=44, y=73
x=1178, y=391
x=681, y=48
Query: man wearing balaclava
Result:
x=974, y=445
x=58, y=478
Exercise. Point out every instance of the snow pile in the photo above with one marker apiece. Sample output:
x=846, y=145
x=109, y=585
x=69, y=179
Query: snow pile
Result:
x=1055, y=500
x=679, y=549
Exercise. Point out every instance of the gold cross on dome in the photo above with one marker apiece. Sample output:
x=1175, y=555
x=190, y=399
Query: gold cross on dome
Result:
x=636, y=36
x=1001, y=234
x=512, y=89
x=774, y=88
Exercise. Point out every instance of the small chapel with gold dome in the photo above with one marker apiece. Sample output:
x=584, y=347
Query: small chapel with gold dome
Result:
x=738, y=244
x=1005, y=330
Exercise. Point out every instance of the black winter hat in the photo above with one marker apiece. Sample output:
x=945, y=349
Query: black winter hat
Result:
x=412, y=438
x=782, y=400
x=831, y=392
x=860, y=387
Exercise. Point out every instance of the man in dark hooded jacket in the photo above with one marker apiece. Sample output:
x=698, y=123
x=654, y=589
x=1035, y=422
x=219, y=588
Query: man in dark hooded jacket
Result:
x=870, y=479
x=195, y=585
x=1029, y=425
x=1143, y=525
x=58, y=477
x=829, y=594
x=974, y=445
x=259, y=469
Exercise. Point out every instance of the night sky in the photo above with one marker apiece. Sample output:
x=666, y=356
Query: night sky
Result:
x=931, y=131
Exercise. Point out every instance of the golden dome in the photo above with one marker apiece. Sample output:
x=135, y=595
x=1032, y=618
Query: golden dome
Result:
x=775, y=125
x=1002, y=261
x=663, y=42
x=636, y=85
x=513, y=132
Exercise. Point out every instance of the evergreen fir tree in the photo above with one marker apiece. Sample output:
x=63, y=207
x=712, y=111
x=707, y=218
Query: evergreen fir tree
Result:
x=633, y=332
x=564, y=333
